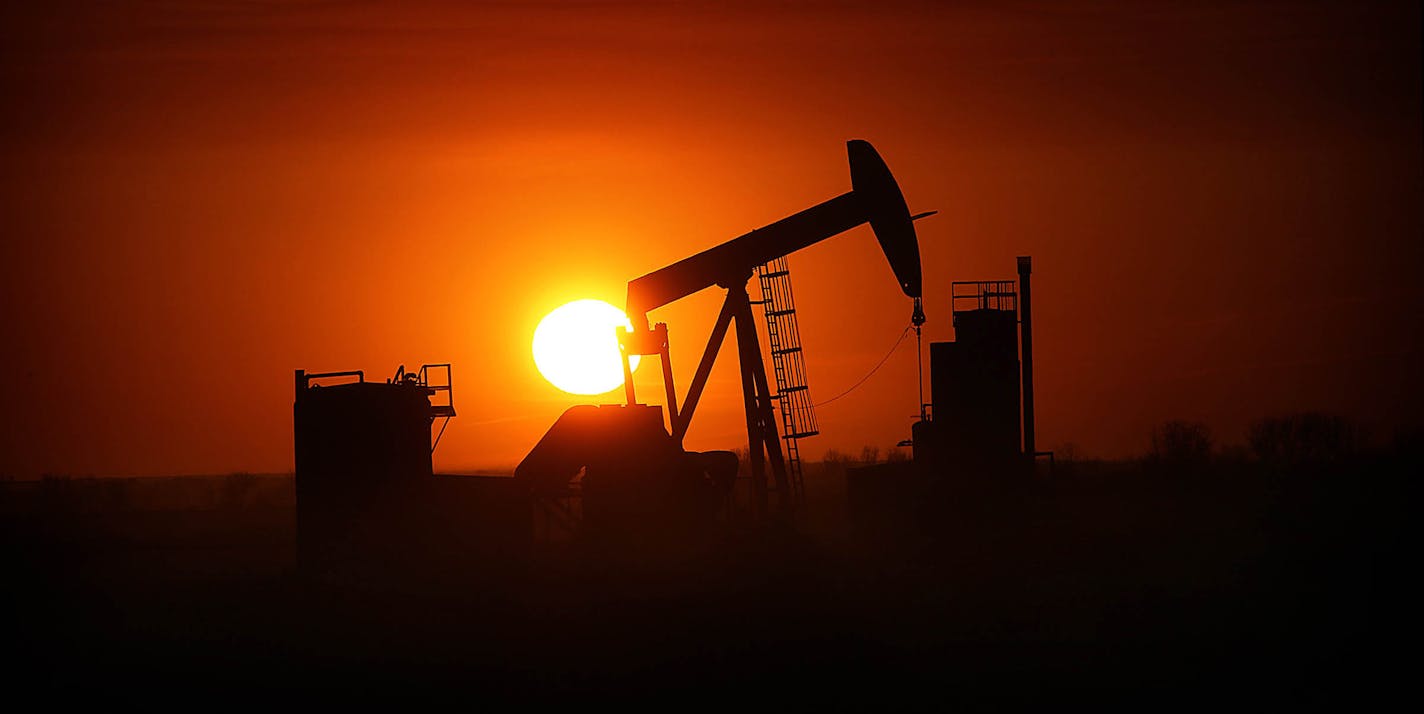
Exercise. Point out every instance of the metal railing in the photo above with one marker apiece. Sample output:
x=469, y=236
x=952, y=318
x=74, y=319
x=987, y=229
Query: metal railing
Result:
x=983, y=295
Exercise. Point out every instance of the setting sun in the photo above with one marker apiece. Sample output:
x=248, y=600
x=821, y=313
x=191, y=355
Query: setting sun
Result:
x=575, y=347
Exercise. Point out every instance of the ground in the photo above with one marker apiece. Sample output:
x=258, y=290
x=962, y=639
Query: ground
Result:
x=1142, y=583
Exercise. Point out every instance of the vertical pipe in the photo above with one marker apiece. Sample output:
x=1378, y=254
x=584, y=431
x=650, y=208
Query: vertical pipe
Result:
x=1026, y=340
x=661, y=331
x=627, y=369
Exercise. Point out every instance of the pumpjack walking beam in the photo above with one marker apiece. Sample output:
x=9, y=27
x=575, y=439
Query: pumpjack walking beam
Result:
x=874, y=198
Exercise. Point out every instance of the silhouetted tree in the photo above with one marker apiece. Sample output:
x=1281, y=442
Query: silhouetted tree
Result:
x=870, y=454
x=1181, y=443
x=834, y=462
x=1302, y=438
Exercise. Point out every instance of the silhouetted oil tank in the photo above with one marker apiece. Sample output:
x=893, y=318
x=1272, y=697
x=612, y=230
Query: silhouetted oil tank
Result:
x=974, y=444
x=975, y=423
x=974, y=385
x=367, y=503
x=361, y=432
x=362, y=451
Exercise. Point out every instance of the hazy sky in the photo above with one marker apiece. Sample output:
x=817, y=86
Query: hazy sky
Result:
x=1223, y=202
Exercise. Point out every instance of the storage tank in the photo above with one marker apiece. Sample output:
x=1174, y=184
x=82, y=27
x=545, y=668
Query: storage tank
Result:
x=362, y=451
x=974, y=385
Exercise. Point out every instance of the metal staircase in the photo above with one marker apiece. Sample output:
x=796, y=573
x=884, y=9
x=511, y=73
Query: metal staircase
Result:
x=798, y=418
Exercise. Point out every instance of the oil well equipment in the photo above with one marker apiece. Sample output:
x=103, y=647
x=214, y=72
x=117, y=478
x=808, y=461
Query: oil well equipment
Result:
x=980, y=418
x=367, y=495
x=368, y=500
x=974, y=441
x=633, y=472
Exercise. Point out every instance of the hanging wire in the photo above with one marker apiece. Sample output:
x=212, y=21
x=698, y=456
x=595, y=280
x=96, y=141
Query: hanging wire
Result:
x=872, y=371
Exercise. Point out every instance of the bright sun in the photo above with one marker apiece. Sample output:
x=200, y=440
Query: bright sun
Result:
x=575, y=347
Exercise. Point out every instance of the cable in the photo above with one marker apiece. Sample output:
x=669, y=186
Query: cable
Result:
x=872, y=372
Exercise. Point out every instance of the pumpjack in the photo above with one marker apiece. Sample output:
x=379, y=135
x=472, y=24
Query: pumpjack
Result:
x=635, y=474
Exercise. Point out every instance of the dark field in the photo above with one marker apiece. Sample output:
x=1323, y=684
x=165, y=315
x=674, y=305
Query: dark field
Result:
x=1232, y=584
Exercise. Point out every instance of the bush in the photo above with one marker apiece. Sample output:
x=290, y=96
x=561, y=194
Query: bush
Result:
x=870, y=454
x=1303, y=438
x=834, y=463
x=1181, y=443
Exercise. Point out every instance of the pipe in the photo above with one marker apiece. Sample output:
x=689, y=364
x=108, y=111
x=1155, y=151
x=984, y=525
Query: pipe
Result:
x=1026, y=341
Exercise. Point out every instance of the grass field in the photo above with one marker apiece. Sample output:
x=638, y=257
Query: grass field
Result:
x=1220, y=583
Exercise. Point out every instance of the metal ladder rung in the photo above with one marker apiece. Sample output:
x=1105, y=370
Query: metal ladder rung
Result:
x=797, y=418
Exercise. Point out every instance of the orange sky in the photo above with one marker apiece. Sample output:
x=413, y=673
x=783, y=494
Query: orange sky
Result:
x=1223, y=202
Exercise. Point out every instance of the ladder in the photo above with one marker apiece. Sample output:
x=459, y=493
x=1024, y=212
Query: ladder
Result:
x=798, y=418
